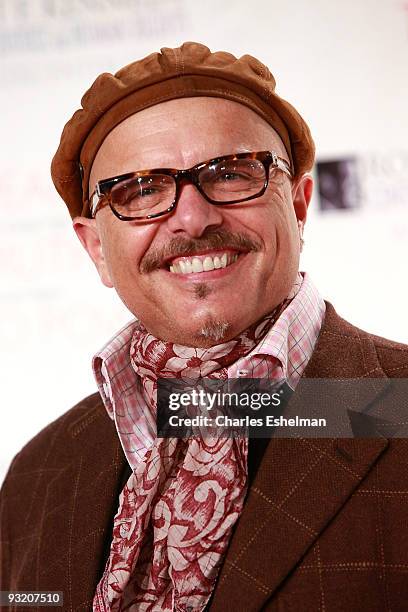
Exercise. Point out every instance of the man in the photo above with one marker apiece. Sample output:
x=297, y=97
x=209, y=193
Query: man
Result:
x=186, y=178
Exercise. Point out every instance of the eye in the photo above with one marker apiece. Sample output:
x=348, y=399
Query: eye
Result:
x=148, y=194
x=143, y=193
x=147, y=191
x=228, y=177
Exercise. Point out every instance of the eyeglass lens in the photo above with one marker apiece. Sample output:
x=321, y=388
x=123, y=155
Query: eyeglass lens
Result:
x=223, y=182
x=144, y=195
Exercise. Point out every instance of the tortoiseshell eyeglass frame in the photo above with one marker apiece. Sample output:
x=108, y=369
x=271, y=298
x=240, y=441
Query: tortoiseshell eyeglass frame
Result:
x=101, y=196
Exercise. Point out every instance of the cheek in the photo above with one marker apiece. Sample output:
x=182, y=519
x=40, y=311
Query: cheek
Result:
x=287, y=254
x=280, y=236
x=124, y=246
x=284, y=213
x=276, y=222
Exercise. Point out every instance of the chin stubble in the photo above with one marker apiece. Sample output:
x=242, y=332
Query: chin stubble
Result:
x=213, y=331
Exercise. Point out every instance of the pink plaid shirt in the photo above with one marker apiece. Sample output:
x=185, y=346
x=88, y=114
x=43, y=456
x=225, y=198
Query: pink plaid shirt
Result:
x=282, y=354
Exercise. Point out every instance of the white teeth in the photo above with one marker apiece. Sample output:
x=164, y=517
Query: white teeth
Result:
x=197, y=266
x=188, y=266
x=208, y=264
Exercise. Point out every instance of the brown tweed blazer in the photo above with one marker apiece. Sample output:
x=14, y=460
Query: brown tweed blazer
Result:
x=324, y=527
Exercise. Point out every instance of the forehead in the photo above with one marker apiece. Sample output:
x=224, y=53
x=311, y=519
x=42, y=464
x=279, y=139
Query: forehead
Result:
x=181, y=133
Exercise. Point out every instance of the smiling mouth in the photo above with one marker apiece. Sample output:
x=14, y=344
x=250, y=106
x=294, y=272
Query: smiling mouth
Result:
x=202, y=263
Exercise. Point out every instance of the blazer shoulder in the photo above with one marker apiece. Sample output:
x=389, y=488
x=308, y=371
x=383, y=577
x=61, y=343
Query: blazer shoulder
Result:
x=392, y=355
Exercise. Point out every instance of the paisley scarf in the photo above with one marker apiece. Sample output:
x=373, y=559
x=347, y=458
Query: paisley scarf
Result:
x=180, y=504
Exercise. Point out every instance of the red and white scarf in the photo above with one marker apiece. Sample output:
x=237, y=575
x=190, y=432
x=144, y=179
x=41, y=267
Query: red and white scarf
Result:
x=178, y=508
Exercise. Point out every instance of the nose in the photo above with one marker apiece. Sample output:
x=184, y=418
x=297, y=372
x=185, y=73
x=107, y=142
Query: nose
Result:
x=193, y=214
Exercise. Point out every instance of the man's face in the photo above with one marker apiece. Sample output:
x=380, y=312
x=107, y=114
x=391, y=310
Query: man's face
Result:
x=259, y=239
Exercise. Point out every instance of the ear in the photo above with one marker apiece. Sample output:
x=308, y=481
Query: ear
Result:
x=302, y=189
x=88, y=234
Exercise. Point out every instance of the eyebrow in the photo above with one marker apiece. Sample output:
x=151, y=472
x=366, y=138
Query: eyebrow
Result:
x=244, y=149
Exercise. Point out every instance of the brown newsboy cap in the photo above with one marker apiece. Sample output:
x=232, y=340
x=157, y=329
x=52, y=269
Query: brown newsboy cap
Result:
x=189, y=70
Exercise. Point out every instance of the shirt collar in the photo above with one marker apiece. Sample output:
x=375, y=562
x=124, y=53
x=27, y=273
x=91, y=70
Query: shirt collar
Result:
x=291, y=340
x=282, y=354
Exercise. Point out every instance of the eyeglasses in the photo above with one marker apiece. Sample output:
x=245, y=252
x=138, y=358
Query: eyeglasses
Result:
x=150, y=194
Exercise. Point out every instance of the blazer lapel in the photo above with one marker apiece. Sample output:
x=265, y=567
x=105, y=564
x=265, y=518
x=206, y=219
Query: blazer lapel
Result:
x=301, y=483
x=77, y=530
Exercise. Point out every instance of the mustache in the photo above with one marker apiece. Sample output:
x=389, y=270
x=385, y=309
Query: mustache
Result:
x=211, y=239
